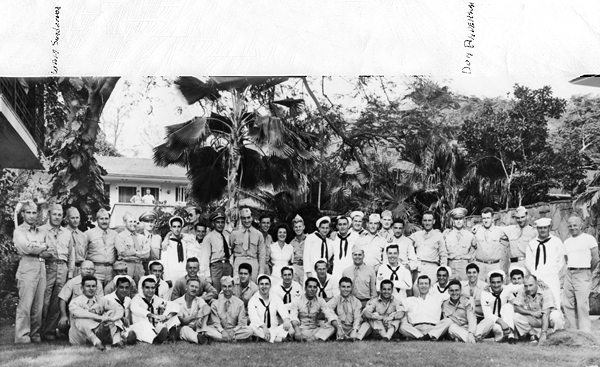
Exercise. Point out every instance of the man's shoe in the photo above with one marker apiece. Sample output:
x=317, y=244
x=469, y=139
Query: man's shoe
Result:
x=103, y=333
x=161, y=337
x=202, y=340
x=533, y=339
x=49, y=337
x=512, y=340
x=120, y=344
x=36, y=339
x=131, y=338
x=98, y=345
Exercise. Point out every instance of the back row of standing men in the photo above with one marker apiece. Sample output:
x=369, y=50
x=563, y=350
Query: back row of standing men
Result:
x=52, y=255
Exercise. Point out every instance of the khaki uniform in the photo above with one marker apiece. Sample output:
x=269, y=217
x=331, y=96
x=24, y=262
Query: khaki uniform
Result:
x=541, y=301
x=200, y=310
x=306, y=312
x=132, y=241
x=100, y=249
x=382, y=308
x=228, y=314
x=82, y=330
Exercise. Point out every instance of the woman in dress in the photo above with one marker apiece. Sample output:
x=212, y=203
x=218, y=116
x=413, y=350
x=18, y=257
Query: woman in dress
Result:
x=282, y=253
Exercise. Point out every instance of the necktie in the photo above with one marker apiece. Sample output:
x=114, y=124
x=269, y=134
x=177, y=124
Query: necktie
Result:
x=542, y=246
x=324, y=249
x=179, y=248
x=156, y=288
x=345, y=307
x=394, y=275
x=458, y=236
x=104, y=237
x=267, y=318
x=322, y=293
x=356, y=270
x=287, y=297
x=225, y=246
x=497, y=304
x=246, y=244
x=122, y=303
x=227, y=306
x=343, y=245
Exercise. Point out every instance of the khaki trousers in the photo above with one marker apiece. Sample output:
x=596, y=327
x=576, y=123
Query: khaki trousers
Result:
x=242, y=333
x=376, y=327
x=576, y=301
x=530, y=325
x=56, y=277
x=105, y=274
x=460, y=332
x=485, y=268
x=134, y=270
x=189, y=333
x=459, y=269
x=218, y=270
x=31, y=282
x=414, y=332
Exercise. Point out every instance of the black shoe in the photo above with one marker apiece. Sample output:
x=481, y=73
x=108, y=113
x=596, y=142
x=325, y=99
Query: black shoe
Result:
x=533, y=339
x=161, y=337
x=512, y=340
x=426, y=337
x=131, y=338
x=202, y=340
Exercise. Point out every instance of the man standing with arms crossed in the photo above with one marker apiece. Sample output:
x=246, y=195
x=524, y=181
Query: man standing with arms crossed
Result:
x=489, y=242
x=31, y=276
x=248, y=246
x=132, y=248
x=100, y=247
x=430, y=248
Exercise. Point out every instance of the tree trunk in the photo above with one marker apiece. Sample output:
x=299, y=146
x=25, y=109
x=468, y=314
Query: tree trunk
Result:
x=238, y=110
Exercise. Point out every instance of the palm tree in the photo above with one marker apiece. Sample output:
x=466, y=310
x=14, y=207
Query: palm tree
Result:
x=235, y=148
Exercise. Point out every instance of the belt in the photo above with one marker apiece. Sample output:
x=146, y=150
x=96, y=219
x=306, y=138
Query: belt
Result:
x=244, y=257
x=579, y=268
x=56, y=261
x=108, y=264
x=219, y=262
x=458, y=260
x=517, y=259
x=489, y=262
x=40, y=259
x=78, y=263
x=424, y=323
x=431, y=262
x=129, y=261
x=299, y=262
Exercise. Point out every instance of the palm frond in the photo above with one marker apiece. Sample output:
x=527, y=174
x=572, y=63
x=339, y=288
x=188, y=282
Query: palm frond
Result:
x=194, y=90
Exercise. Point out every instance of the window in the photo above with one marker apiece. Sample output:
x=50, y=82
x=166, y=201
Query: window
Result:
x=126, y=193
x=181, y=193
x=153, y=191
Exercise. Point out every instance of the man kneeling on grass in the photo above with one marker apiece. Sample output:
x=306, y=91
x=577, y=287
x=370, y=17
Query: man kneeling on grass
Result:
x=193, y=313
x=153, y=318
x=535, y=311
x=263, y=309
x=459, y=319
x=382, y=314
x=230, y=322
x=304, y=313
x=90, y=318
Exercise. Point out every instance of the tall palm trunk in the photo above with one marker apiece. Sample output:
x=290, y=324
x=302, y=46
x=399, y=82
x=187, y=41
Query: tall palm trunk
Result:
x=239, y=108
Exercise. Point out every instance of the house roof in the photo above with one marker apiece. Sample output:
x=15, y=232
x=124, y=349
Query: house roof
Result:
x=140, y=168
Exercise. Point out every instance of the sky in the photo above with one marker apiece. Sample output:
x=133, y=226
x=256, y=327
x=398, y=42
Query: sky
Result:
x=158, y=107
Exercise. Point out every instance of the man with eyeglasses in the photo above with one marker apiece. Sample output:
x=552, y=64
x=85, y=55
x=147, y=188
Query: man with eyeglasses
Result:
x=72, y=290
x=248, y=246
x=192, y=217
x=132, y=248
x=215, y=259
x=100, y=247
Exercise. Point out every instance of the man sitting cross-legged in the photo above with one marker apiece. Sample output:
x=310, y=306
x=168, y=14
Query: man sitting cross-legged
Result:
x=422, y=311
x=382, y=314
x=121, y=297
x=263, y=309
x=348, y=310
x=153, y=318
x=193, y=313
x=304, y=313
x=459, y=319
x=90, y=320
x=535, y=311
x=228, y=316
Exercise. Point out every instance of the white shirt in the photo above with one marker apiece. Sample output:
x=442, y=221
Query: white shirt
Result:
x=140, y=309
x=330, y=288
x=173, y=268
x=295, y=292
x=126, y=302
x=420, y=310
x=312, y=252
x=406, y=252
x=339, y=264
x=256, y=310
x=374, y=247
x=578, y=250
x=488, y=300
x=555, y=252
x=163, y=288
x=437, y=289
x=403, y=283
x=148, y=199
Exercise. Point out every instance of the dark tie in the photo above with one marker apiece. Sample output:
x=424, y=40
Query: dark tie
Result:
x=344, y=245
x=267, y=318
x=322, y=293
x=394, y=275
x=122, y=303
x=497, y=304
x=287, y=297
x=225, y=246
x=542, y=246
x=150, y=309
x=179, y=249
x=324, y=249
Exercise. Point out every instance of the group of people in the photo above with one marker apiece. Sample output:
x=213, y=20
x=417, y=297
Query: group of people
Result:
x=202, y=283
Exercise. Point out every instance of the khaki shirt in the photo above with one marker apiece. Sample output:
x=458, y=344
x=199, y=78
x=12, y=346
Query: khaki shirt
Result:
x=228, y=314
x=306, y=311
x=519, y=239
x=125, y=241
x=246, y=292
x=212, y=251
x=29, y=240
x=487, y=241
x=462, y=313
x=459, y=244
x=430, y=246
x=100, y=245
x=59, y=242
x=348, y=310
x=364, y=281
x=249, y=242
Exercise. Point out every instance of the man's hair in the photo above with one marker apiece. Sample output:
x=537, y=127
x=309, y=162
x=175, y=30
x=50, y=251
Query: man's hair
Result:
x=384, y=282
x=192, y=280
x=430, y=212
x=192, y=260
x=201, y=224
x=454, y=282
x=535, y=279
x=443, y=268
x=486, y=210
x=320, y=262
x=264, y=216
x=263, y=277
x=287, y=268
x=176, y=219
x=516, y=272
x=472, y=266
x=424, y=277
x=152, y=280
x=88, y=278
x=245, y=266
x=497, y=275
x=344, y=218
x=120, y=281
x=345, y=280
x=311, y=279
x=391, y=247
x=162, y=268
x=398, y=220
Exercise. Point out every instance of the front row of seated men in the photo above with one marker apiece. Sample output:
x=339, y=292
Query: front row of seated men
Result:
x=526, y=310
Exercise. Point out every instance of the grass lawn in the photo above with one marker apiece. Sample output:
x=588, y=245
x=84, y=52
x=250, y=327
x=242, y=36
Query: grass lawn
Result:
x=364, y=354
